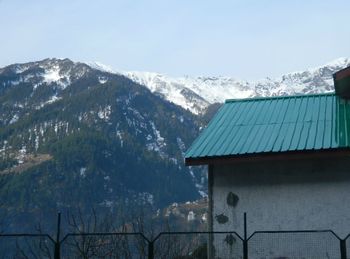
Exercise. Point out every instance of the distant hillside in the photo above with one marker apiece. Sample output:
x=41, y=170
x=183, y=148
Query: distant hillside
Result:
x=72, y=136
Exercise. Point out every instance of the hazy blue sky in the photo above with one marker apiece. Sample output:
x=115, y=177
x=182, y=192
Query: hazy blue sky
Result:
x=245, y=39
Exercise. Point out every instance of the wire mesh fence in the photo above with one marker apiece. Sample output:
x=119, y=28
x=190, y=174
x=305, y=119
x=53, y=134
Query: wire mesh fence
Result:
x=104, y=245
x=180, y=245
x=298, y=244
x=227, y=245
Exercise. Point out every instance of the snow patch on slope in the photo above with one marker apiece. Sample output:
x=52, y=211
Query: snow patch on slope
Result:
x=104, y=113
x=156, y=142
x=54, y=75
x=102, y=80
x=14, y=119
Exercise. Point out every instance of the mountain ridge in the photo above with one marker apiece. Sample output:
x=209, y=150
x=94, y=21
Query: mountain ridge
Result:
x=197, y=93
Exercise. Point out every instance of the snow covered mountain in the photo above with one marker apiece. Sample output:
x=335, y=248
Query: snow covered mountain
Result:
x=197, y=93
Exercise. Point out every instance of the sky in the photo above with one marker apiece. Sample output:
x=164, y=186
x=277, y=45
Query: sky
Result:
x=247, y=39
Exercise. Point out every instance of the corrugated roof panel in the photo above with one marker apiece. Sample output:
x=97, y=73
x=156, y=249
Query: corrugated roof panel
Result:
x=334, y=135
x=319, y=135
x=329, y=111
x=327, y=140
x=265, y=125
x=310, y=142
x=327, y=135
x=220, y=130
x=303, y=109
x=265, y=113
x=308, y=109
x=252, y=137
x=258, y=113
x=231, y=129
x=315, y=109
x=264, y=139
x=258, y=140
x=273, y=112
x=242, y=139
x=295, y=113
x=208, y=145
x=246, y=108
x=283, y=107
x=288, y=137
x=290, y=113
x=276, y=112
x=347, y=120
x=342, y=127
x=296, y=136
x=210, y=130
x=272, y=137
x=222, y=143
x=280, y=138
x=248, y=114
x=304, y=135
x=232, y=141
x=322, y=110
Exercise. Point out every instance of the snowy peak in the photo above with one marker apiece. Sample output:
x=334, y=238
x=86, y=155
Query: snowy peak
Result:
x=177, y=90
x=197, y=93
x=314, y=80
x=102, y=67
x=335, y=64
x=325, y=71
x=60, y=72
x=192, y=93
x=47, y=81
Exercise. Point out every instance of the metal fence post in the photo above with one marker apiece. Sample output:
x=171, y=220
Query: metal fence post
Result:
x=245, y=240
x=57, y=254
x=343, y=249
x=151, y=249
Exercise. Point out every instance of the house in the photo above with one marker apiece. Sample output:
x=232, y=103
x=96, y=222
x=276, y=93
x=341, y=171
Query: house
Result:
x=285, y=161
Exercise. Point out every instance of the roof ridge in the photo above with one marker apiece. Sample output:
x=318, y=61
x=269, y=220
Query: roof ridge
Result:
x=278, y=97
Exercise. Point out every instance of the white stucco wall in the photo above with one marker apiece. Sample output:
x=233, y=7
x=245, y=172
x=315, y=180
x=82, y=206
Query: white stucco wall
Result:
x=284, y=195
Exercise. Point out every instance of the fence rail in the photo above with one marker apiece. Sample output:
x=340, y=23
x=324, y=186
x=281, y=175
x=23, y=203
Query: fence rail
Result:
x=177, y=245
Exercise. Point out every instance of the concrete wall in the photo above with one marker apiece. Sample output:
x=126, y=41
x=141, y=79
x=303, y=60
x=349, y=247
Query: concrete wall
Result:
x=284, y=195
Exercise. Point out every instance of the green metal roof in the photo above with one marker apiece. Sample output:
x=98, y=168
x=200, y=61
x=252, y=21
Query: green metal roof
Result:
x=275, y=125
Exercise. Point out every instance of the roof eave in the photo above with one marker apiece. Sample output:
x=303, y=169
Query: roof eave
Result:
x=259, y=157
